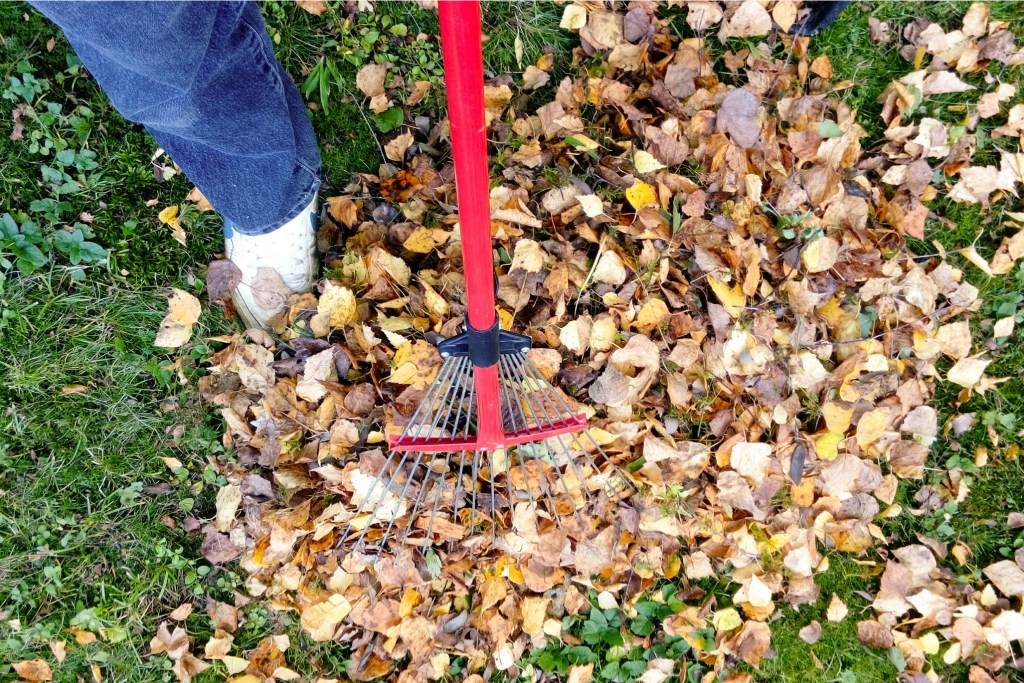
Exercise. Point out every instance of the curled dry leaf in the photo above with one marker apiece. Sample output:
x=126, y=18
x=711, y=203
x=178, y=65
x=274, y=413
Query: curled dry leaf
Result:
x=183, y=311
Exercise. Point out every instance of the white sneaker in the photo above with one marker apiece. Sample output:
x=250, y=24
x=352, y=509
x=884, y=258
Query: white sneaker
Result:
x=274, y=266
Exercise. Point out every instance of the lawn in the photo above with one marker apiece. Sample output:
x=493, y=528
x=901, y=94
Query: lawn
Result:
x=106, y=449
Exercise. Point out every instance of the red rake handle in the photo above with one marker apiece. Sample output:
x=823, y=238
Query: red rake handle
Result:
x=461, y=45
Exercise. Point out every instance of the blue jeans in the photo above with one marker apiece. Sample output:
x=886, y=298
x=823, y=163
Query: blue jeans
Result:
x=203, y=79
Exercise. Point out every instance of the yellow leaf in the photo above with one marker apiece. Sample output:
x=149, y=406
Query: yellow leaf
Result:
x=827, y=445
x=424, y=240
x=727, y=619
x=409, y=600
x=820, y=254
x=640, y=194
x=652, y=314
x=837, y=418
x=534, y=610
x=603, y=333
x=732, y=298
x=871, y=426
x=321, y=619
x=415, y=363
x=339, y=303
x=169, y=217
x=644, y=162
x=183, y=311
x=436, y=304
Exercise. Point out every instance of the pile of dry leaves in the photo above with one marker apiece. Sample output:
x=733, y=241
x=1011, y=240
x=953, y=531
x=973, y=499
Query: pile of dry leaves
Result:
x=712, y=262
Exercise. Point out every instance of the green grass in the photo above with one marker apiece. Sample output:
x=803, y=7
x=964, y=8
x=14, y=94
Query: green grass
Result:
x=92, y=519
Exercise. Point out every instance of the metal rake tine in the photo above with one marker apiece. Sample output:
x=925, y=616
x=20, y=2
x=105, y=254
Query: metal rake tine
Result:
x=444, y=428
x=419, y=500
x=458, y=484
x=455, y=500
x=445, y=373
x=445, y=413
x=785, y=63
x=437, y=498
x=506, y=365
x=522, y=468
x=545, y=488
x=568, y=453
x=434, y=425
x=494, y=514
x=453, y=420
x=513, y=497
x=401, y=497
x=561, y=477
x=531, y=369
x=369, y=495
x=428, y=399
x=472, y=504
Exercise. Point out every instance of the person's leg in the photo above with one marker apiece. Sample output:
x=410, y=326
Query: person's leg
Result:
x=203, y=79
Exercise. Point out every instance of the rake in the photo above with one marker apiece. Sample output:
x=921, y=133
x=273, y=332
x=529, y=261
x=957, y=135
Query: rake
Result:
x=491, y=433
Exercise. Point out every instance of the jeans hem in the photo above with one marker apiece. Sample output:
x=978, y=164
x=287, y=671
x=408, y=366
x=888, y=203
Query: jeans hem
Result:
x=304, y=201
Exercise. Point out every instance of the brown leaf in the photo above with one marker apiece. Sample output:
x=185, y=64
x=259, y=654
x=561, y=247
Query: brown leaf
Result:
x=34, y=670
x=603, y=30
x=59, y=649
x=1007, y=576
x=749, y=20
x=201, y=202
x=181, y=612
x=269, y=290
x=874, y=634
x=811, y=633
x=738, y=115
x=217, y=548
x=18, y=131
x=370, y=79
x=222, y=277
x=396, y=148
x=315, y=7
x=222, y=615
x=594, y=555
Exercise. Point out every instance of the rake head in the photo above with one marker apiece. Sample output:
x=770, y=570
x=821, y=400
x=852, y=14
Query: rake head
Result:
x=463, y=463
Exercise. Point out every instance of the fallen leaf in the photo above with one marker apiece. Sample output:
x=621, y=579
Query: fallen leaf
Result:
x=837, y=610
x=229, y=497
x=59, y=649
x=338, y=305
x=1007, y=576
x=811, y=633
x=222, y=276
x=640, y=194
x=34, y=670
x=738, y=114
x=314, y=7
x=169, y=217
x=396, y=148
x=968, y=372
x=183, y=311
x=750, y=20
x=370, y=79
x=610, y=269
x=181, y=612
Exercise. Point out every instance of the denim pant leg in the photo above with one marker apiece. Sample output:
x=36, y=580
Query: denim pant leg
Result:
x=203, y=79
